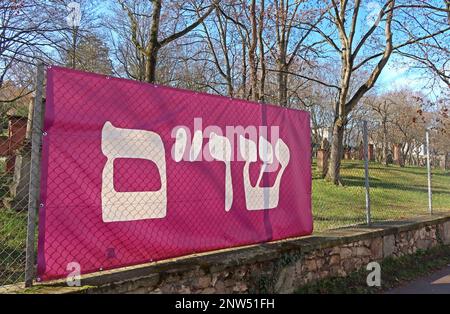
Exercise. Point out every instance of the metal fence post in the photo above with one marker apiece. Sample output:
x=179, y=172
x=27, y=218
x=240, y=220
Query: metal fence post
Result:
x=33, y=196
x=430, y=207
x=366, y=173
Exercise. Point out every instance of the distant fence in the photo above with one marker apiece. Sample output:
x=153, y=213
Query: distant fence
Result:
x=370, y=191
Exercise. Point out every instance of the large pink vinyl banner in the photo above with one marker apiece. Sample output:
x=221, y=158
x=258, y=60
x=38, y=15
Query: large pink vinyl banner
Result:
x=134, y=172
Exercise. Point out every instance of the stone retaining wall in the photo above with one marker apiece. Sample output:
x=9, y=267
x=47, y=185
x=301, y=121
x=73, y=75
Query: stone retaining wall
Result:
x=279, y=267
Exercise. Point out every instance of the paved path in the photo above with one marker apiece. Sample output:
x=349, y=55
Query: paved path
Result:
x=438, y=282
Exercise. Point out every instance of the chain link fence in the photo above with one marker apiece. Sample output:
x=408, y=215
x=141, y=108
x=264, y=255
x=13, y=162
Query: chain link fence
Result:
x=398, y=186
x=374, y=186
x=17, y=106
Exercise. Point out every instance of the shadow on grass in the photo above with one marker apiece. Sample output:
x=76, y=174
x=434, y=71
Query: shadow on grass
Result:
x=354, y=181
x=352, y=165
x=409, y=170
x=337, y=219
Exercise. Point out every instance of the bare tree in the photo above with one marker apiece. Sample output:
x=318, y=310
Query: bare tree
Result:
x=149, y=50
x=292, y=23
x=220, y=47
x=22, y=34
x=361, y=50
x=248, y=18
x=383, y=109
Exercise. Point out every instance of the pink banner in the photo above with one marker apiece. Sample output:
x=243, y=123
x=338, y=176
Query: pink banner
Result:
x=134, y=172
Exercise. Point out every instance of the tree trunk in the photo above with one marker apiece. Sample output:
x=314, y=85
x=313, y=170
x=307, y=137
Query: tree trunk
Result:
x=262, y=80
x=336, y=152
x=252, y=53
x=153, y=47
x=74, y=47
x=385, y=145
x=340, y=121
x=150, y=71
x=244, y=69
x=282, y=87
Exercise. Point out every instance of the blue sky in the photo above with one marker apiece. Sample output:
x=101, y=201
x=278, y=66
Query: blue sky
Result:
x=395, y=75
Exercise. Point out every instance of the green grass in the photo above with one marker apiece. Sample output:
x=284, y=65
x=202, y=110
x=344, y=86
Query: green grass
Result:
x=13, y=228
x=394, y=272
x=12, y=246
x=395, y=193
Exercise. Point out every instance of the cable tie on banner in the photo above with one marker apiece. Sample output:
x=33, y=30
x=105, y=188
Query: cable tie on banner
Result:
x=44, y=133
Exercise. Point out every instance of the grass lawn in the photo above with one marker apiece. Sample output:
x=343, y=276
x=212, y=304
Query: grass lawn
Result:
x=13, y=228
x=13, y=232
x=395, y=193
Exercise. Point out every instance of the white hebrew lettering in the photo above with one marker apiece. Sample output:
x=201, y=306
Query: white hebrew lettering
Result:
x=196, y=147
x=129, y=206
x=220, y=149
x=180, y=144
x=265, y=151
x=185, y=149
x=256, y=197
x=266, y=156
x=248, y=149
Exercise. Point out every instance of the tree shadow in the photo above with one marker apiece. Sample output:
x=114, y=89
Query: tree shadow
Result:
x=355, y=181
